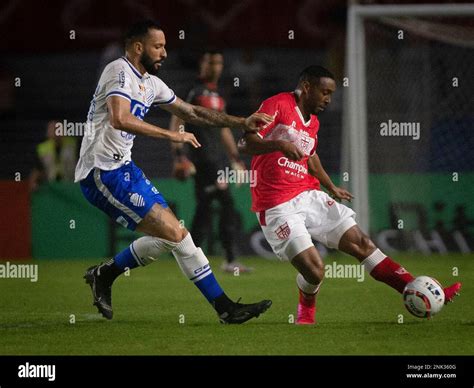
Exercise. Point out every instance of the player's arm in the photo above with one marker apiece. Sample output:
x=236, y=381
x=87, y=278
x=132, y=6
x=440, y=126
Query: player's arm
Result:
x=230, y=146
x=253, y=144
x=316, y=169
x=183, y=168
x=122, y=119
x=177, y=125
x=205, y=117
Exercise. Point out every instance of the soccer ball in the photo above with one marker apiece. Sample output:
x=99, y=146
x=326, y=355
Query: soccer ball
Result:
x=423, y=297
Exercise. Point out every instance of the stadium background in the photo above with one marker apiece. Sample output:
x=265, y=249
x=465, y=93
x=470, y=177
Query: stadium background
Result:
x=157, y=311
x=58, y=75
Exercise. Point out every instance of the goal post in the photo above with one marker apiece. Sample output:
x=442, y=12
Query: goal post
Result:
x=355, y=142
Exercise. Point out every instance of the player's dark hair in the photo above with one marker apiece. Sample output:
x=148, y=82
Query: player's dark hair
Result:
x=212, y=51
x=314, y=73
x=138, y=30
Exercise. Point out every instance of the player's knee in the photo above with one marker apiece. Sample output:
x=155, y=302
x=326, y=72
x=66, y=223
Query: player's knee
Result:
x=177, y=234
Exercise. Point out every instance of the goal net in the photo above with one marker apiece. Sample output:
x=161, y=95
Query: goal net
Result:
x=408, y=138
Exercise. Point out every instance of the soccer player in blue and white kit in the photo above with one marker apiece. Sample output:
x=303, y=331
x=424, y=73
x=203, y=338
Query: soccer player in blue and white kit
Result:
x=111, y=181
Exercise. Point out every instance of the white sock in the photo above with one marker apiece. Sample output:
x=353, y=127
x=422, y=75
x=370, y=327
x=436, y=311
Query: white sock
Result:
x=371, y=261
x=146, y=249
x=191, y=259
x=304, y=286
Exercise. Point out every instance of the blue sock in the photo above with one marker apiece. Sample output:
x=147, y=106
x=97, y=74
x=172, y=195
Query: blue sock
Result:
x=125, y=259
x=209, y=287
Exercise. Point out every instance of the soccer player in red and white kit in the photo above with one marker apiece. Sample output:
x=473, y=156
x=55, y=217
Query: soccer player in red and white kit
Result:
x=289, y=204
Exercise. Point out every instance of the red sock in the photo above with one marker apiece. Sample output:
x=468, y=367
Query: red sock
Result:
x=307, y=300
x=384, y=269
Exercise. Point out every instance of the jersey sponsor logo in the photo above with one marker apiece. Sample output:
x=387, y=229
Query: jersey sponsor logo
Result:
x=298, y=168
x=121, y=78
x=137, y=200
x=138, y=109
x=330, y=203
x=283, y=231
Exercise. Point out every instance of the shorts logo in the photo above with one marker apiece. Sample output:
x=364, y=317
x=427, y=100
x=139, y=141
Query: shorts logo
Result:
x=283, y=231
x=137, y=200
x=122, y=221
x=330, y=203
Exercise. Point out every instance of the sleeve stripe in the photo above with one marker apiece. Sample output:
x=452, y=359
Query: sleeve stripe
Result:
x=167, y=102
x=259, y=135
x=121, y=94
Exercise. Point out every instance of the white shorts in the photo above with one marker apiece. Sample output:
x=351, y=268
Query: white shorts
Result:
x=290, y=226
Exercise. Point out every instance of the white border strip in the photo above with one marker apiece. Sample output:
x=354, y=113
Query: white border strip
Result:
x=107, y=194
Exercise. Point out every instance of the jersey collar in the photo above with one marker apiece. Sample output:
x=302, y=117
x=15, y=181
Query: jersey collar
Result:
x=135, y=71
x=305, y=123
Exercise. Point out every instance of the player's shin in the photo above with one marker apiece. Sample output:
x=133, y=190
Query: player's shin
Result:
x=195, y=266
x=384, y=269
x=141, y=252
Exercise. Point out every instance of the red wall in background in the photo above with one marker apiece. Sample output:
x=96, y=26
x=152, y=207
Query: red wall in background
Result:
x=15, y=220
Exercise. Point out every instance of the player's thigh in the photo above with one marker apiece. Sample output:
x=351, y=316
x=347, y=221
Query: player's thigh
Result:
x=286, y=234
x=124, y=194
x=327, y=220
x=161, y=222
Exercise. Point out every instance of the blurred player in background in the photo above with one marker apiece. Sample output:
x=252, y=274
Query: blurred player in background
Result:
x=218, y=147
x=55, y=159
x=110, y=180
x=289, y=204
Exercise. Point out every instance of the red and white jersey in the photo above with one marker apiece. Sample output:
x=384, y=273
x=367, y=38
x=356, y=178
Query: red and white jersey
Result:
x=279, y=179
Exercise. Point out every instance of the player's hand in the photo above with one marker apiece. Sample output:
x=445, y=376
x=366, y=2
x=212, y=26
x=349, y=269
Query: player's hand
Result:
x=253, y=122
x=183, y=168
x=238, y=165
x=291, y=151
x=340, y=193
x=184, y=137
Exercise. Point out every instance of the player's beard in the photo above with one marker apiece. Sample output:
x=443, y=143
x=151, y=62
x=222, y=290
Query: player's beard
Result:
x=149, y=64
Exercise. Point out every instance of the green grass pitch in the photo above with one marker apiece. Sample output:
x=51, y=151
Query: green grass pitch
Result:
x=354, y=318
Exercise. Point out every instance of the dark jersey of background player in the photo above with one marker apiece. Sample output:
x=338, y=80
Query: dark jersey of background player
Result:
x=218, y=151
x=210, y=157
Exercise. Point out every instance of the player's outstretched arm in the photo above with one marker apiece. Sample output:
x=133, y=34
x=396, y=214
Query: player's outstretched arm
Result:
x=177, y=125
x=316, y=169
x=253, y=144
x=121, y=119
x=204, y=117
